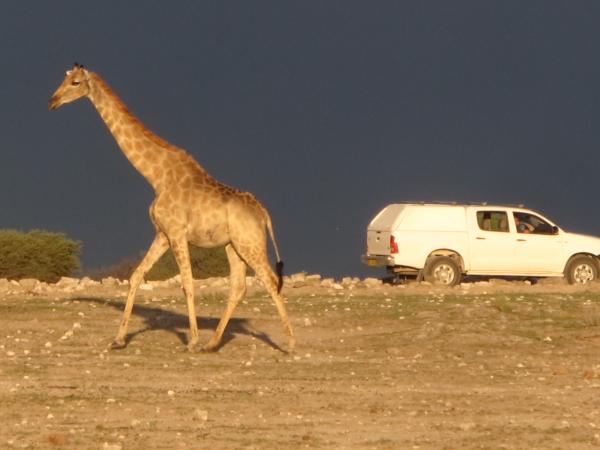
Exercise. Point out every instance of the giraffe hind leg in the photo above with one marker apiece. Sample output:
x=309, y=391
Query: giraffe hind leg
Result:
x=181, y=251
x=236, y=293
x=258, y=261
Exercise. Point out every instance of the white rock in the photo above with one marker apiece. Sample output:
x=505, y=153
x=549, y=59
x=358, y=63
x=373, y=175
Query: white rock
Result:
x=4, y=285
x=108, y=446
x=201, y=414
x=327, y=282
x=67, y=282
x=29, y=284
x=298, y=277
x=86, y=282
x=466, y=426
x=372, y=282
x=109, y=282
x=67, y=335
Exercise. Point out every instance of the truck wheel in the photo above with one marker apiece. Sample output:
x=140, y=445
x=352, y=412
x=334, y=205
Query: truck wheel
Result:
x=581, y=270
x=443, y=270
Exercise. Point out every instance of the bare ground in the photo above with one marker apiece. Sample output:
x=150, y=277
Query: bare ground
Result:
x=390, y=368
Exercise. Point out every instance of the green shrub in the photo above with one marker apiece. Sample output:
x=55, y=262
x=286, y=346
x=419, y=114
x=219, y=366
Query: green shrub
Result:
x=39, y=254
x=206, y=262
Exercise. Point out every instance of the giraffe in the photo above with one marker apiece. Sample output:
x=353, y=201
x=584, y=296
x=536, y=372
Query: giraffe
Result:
x=189, y=206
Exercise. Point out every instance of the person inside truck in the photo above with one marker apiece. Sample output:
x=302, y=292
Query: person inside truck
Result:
x=523, y=226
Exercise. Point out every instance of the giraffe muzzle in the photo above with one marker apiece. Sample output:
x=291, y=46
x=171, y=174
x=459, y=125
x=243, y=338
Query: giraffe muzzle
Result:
x=53, y=103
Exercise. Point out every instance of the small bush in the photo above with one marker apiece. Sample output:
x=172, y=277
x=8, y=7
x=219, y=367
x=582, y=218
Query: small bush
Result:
x=206, y=262
x=39, y=254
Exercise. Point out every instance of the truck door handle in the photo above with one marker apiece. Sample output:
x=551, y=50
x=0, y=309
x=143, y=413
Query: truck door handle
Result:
x=480, y=238
x=521, y=240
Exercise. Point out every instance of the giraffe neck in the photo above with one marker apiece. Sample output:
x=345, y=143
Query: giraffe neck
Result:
x=147, y=152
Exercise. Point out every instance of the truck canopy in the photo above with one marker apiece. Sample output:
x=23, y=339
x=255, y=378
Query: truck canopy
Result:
x=433, y=218
x=388, y=218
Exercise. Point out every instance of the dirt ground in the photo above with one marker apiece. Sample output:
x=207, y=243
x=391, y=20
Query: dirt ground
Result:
x=513, y=367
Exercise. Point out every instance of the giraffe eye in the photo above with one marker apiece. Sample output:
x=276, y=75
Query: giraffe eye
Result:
x=75, y=83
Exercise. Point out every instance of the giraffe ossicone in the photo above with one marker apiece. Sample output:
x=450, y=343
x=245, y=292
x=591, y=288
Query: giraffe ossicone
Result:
x=190, y=207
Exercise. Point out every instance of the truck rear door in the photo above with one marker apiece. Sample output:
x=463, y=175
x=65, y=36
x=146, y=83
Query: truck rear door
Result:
x=380, y=229
x=492, y=244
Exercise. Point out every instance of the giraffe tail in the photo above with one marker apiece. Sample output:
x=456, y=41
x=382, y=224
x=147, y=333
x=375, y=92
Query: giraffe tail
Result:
x=279, y=264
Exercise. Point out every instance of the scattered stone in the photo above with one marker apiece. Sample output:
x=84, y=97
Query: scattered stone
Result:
x=372, y=282
x=108, y=446
x=327, y=282
x=201, y=415
x=67, y=282
x=109, y=282
x=67, y=335
x=28, y=284
x=4, y=285
x=298, y=277
x=466, y=426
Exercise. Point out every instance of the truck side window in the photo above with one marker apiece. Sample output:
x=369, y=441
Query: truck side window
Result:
x=528, y=223
x=493, y=220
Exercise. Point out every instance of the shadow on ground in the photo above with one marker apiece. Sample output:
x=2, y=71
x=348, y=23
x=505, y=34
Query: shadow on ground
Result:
x=178, y=324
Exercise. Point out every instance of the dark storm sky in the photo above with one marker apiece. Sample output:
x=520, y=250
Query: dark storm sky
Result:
x=326, y=110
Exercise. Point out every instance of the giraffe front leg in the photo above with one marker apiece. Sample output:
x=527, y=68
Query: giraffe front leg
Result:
x=156, y=250
x=181, y=251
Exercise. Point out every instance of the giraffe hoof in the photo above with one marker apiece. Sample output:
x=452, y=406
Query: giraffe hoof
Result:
x=291, y=345
x=192, y=345
x=117, y=344
x=210, y=346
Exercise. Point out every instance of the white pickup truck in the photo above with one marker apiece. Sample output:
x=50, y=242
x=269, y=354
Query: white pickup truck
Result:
x=442, y=242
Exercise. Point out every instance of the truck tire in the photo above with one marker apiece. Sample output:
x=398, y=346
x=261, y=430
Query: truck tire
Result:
x=443, y=270
x=581, y=270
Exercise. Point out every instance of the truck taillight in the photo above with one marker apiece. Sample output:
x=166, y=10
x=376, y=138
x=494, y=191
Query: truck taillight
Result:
x=393, y=245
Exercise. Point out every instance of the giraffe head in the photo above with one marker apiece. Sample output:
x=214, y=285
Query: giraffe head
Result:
x=74, y=86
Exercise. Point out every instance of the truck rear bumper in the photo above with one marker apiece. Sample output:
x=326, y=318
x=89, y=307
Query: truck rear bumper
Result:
x=377, y=260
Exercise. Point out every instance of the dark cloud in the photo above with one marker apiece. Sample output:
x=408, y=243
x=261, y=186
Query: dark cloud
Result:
x=327, y=111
